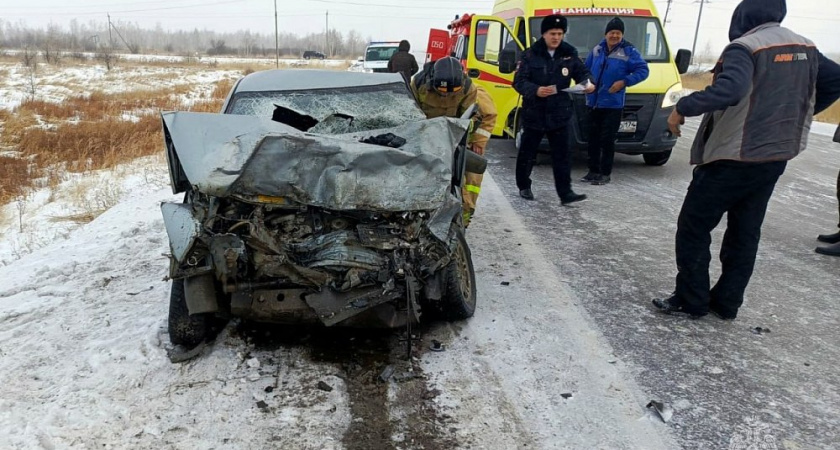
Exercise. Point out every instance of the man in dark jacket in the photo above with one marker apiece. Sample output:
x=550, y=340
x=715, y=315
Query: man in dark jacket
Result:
x=833, y=239
x=402, y=61
x=545, y=69
x=615, y=65
x=830, y=76
x=758, y=112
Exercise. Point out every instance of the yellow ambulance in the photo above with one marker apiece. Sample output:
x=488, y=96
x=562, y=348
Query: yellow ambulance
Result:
x=490, y=60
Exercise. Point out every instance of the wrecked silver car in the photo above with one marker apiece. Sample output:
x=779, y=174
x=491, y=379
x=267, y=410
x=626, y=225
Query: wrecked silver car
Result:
x=316, y=197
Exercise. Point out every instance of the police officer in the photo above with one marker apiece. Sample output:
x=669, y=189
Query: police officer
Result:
x=544, y=70
x=443, y=90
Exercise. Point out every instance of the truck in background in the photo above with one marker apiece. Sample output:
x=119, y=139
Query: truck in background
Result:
x=377, y=55
x=489, y=46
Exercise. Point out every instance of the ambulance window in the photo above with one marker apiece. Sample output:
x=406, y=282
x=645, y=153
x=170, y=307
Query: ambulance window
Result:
x=653, y=45
x=491, y=37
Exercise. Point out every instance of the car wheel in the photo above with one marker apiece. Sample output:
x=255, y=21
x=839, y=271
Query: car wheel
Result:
x=185, y=329
x=459, y=298
x=657, y=159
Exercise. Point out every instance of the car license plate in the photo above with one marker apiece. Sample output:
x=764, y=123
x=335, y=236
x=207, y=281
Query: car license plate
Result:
x=627, y=126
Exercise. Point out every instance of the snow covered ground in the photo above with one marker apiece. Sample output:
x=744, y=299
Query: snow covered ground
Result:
x=84, y=357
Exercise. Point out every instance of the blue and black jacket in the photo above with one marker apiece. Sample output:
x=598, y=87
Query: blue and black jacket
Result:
x=624, y=62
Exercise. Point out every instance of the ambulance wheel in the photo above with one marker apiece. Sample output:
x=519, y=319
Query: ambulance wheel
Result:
x=657, y=159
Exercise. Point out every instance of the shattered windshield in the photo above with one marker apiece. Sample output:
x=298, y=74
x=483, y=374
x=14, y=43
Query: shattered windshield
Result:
x=339, y=110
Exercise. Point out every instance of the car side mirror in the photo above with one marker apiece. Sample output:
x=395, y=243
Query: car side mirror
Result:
x=507, y=61
x=682, y=60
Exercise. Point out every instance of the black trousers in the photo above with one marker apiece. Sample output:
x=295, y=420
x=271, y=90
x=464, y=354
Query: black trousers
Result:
x=742, y=191
x=603, y=128
x=558, y=140
x=838, y=192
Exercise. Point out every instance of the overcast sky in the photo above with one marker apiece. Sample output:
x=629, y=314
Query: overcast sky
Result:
x=391, y=19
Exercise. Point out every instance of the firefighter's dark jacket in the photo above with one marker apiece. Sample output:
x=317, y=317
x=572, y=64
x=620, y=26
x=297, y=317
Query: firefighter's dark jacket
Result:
x=538, y=68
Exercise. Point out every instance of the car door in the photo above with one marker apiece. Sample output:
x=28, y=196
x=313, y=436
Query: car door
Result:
x=489, y=36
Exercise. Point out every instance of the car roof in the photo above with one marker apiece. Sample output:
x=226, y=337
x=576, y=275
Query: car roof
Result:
x=297, y=79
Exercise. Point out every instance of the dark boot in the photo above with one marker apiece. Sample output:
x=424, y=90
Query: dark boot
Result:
x=571, y=197
x=590, y=177
x=829, y=238
x=601, y=180
x=674, y=306
x=722, y=313
x=526, y=194
x=831, y=250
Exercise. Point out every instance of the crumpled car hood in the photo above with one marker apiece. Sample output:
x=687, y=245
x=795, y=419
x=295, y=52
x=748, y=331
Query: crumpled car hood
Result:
x=225, y=154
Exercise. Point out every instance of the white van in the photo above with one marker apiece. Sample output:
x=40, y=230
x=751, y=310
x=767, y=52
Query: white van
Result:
x=377, y=55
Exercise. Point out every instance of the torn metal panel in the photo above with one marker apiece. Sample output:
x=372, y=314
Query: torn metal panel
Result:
x=333, y=307
x=224, y=154
x=337, y=249
x=181, y=227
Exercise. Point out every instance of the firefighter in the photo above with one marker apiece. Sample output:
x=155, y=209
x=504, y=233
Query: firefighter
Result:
x=443, y=90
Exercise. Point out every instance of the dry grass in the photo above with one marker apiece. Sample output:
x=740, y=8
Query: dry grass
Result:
x=698, y=81
x=86, y=133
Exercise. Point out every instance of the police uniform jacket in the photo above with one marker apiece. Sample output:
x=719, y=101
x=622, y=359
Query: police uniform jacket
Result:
x=537, y=68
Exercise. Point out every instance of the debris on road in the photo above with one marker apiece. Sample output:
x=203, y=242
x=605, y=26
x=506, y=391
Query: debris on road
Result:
x=760, y=330
x=566, y=395
x=437, y=346
x=262, y=405
x=324, y=386
x=505, y=283
x=663, y=410
x=386, y=374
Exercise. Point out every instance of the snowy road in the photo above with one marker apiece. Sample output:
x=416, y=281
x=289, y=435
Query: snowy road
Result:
x=563, y=355
x=724, y=381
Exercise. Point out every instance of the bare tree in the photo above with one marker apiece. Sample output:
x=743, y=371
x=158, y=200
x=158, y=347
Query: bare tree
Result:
x=28, y=57
x=107, y=56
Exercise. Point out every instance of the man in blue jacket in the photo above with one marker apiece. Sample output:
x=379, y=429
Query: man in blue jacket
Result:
x=615, y=65
x=545, y=69
x=767, y=86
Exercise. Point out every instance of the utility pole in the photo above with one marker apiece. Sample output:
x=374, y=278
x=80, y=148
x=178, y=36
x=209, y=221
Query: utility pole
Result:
x=697, y=30
x=327, y=35
x=276, y=39
x=667, y=10
x=110, y=36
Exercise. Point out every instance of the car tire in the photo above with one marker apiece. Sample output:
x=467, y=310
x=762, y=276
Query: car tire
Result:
x=185, y=329
x=657, y=159
x=459, y=295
